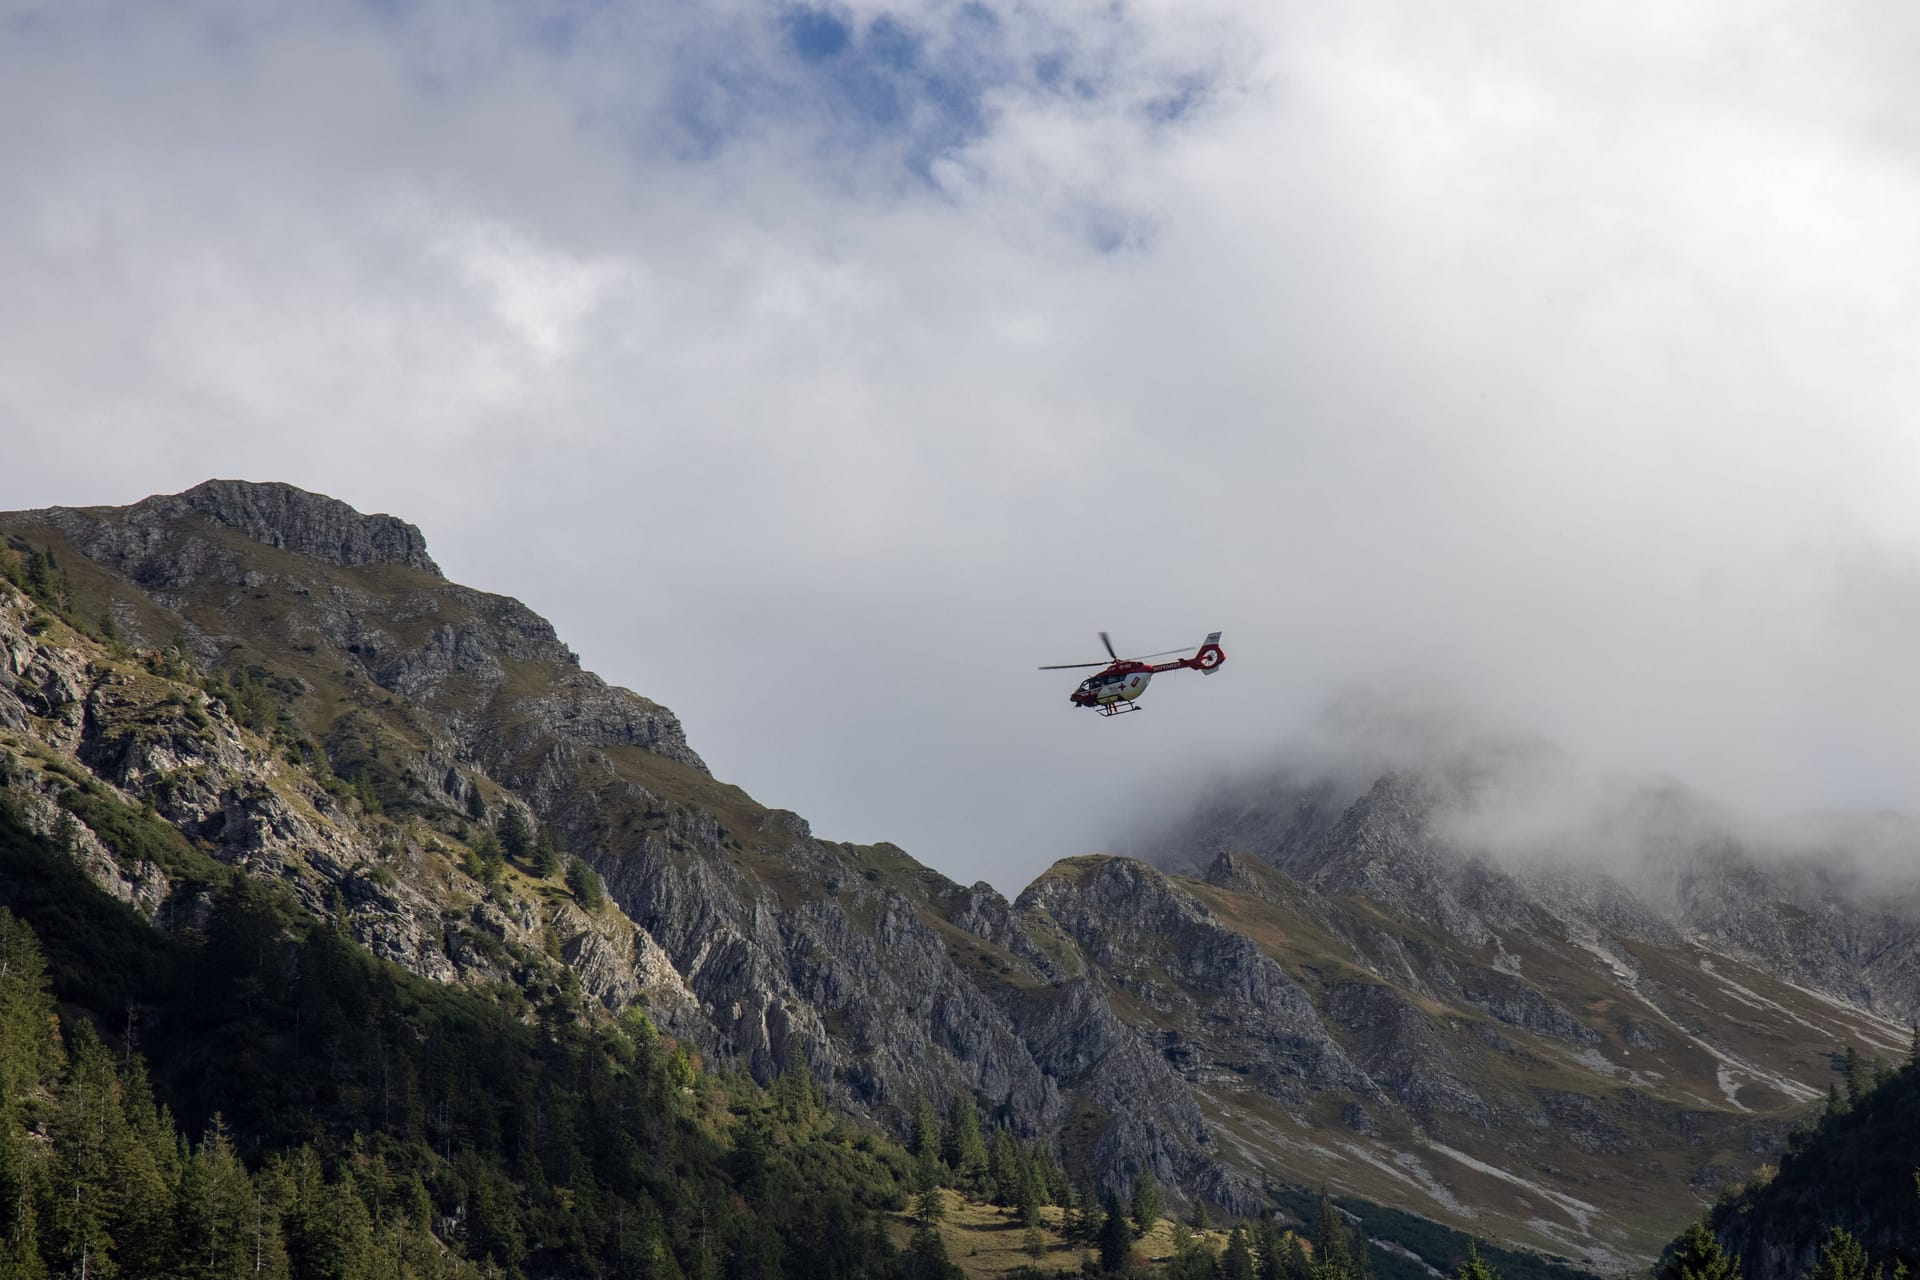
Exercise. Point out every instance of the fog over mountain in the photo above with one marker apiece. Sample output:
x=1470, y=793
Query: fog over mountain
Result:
x=1522, y=804
x=821, y=370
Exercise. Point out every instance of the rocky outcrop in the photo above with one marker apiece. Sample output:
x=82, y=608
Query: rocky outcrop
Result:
x=76, y=718
x=858, y=979
x=132, y=539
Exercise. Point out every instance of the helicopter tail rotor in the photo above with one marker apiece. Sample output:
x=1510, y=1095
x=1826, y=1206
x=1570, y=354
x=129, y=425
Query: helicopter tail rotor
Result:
x=1211, y=655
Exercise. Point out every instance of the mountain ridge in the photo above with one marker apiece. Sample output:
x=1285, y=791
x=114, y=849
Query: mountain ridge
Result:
x=1405, y=1020
x=273, y=513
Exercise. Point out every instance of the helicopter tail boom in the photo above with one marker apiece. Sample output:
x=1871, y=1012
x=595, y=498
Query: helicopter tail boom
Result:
x=1206, y=661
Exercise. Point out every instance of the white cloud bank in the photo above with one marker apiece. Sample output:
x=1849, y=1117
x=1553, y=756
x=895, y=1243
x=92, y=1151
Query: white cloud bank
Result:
x=1564, y=359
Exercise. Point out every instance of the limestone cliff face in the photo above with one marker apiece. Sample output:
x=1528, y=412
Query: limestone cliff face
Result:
x=1341, y=990
x=75, y=715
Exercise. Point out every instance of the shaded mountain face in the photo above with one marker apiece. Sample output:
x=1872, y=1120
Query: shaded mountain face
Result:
x=1339, y=990
x=1856, y=1168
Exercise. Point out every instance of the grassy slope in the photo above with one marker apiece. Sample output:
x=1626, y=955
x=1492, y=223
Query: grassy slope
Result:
x=988, y=1242
x=1659, y=1113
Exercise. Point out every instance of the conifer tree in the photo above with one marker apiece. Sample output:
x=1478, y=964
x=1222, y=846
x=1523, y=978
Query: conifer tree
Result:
x=268, y=1247
x=1332, y=1256
x=214, y=1212
x=794, y=1092
x=66, y=833
x=1856, y=1076
x=1237, y=1262
x=47, y=582
x=88, y=1133
x=39, y=574
x=546, y=854
x=1026, y=1199
x=1293, y=1258
x=330, y=1233
x=1115, y=1238
x=1266, y=1249
x=1842, y=1257
x=1003, y=1169
x=486, y=848
x=144, y=1163
x=516, y=834
x=926, y=1128
x=1078, y=1224
x=29, y=1047
x=1698, y=1257
x=926, y=1257
x=1059, y=1187
x=963, y=1147
x=20, y=1257
x=1146, y=1206
x=585, y=883
x=929, y=1205
x=1475, y=1267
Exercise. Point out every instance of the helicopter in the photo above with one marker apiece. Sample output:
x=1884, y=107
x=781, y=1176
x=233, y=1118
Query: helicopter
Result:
x=1116, y=689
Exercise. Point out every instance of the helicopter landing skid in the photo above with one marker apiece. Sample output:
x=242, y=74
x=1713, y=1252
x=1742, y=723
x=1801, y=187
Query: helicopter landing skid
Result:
x=1117, y=708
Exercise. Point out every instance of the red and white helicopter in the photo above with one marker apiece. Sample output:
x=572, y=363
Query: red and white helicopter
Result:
x=1114, y=690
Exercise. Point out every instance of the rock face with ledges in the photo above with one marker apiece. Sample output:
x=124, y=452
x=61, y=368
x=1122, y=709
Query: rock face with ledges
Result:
x=133, y=539
x=146, y=739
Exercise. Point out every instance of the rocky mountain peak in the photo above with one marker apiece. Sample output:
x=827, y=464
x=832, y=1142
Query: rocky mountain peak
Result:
x=310, y=524
x=276, y=514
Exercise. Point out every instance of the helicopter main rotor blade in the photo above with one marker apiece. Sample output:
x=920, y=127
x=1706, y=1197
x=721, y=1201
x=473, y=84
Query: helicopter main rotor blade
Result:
x=1163, y=653
x=1109, y=644
x=1072, y=666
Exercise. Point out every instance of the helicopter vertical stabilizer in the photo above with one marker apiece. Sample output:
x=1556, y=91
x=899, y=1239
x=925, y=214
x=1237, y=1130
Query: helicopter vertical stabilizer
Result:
x=1211, y=655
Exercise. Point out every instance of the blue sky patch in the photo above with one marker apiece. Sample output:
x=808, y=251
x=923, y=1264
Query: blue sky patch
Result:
x=815, y=34
x=887, y=97
x=1170, y=108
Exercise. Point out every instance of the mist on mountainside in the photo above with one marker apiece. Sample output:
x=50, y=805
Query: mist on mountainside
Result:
x=1519, y=800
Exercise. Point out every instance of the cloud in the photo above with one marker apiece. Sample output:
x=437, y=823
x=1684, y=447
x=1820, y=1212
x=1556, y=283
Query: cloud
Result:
x=822, y=369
